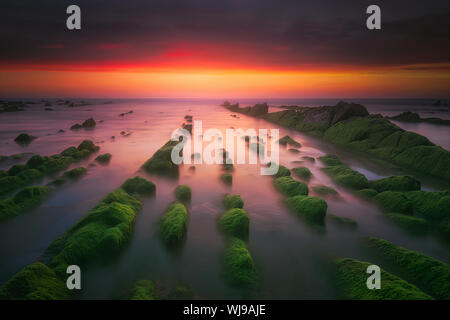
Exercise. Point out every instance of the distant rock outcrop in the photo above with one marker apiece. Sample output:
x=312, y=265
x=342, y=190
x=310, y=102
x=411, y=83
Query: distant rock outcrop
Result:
x=414, y=117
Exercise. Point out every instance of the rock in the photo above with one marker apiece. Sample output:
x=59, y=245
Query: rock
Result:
x=344, y=111
x=290, y=187
x=173, y=225
x=239, y=267
x=89, y=123
x=24, y=139
x=227, y=178
x=302, y=172
x=311, y=209
x=139, y=186
x=232, y=201
x=104, y=158
x=183, y=193
x=234, y=223
x=286, y=140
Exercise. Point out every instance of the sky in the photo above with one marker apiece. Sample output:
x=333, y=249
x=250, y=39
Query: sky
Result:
x=232, y=48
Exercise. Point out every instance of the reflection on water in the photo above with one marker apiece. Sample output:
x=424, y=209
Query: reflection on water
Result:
x=291, y=256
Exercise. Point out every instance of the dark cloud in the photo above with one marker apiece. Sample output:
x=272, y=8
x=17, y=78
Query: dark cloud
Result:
x=262, y=33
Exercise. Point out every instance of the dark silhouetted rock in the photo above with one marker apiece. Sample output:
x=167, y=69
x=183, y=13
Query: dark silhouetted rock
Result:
x=24, y=139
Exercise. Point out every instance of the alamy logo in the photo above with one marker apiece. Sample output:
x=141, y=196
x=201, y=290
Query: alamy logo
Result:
x=374, y=281
x=218, y=152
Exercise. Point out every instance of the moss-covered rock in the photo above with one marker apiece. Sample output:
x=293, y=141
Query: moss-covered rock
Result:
x=430, y=275
x=282, y=172
x=227, y=178
x=232, y=201
x=23, y=201
x=286, y=140
x=139, y=186
x=302, y=172
x=235, y=223
x=433, y=206
x=173, y=225
x=143, y=290
x=10, y=183
x=16, y=169
x=395, y=183
x=183, y=193
x=342, y=174
x=88, y=145
x=325, y=191
x=290, y=187
x=310, y=159
x=393, y=201
x=367, y=193
x=104, y=158
x=310, y=208
x=346, y=222
x=239, y=267
x=351, y=279
x=161, y=161
x=34, y=282
x=412, y=224
x=75, y=173
x=70, y=152
x=24, y=139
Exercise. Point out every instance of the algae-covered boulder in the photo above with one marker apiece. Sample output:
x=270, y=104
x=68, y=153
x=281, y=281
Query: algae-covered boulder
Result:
x=89, y=123
x=331, y=160
x=139, y=186
x=183, y=193
x=9, y=183
x=286, y=140
x=173, y=225
x=75, y=173
x=23, y=201
x=24, y=139
x=345, y=222
x=347, y=177
x=302, y=172
x=430, y=275
x=104, y=158
x=161, y=161
x=239, y=267
x=310, y=159
x=432, y=206
x=412, y=224
x=282, y=172
x=395, y=183
x=88, y=145
x=290, y=187
x=100, y=234
x=351, y=278
x=35, y=282
x=367, y=193
x=143, y=290
x=235, y=223
x=325, y=191
x=17, y=168
x=232, y=201
x=311, y=208
x=69, y=152
x=226, y=178
x=393, y=201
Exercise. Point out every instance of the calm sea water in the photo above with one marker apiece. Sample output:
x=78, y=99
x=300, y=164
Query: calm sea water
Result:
x=291, y=256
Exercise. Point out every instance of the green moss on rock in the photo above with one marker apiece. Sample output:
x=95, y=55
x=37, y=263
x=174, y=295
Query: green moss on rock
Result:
x=325, y=191
x=412, y=224
x=23, y=201
x=235, y=223
x=286, y=140
x=393, y=201
x=227, y=178
x=310, y=208
x=367, y=193
x=346, y=222
x=34, y=282
x=352, y=277
x=395, y=183
x=139, y=186
x=183, y=193
x=428, y=274
x=143, y=290
x=290, y=187
x=161, y=161
x=282, y=172
x=232, y=201
x=302, y=172
x=88, y=145
x=239, y=267
x=75, y=173
x=104, y=158
x=173, y=225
